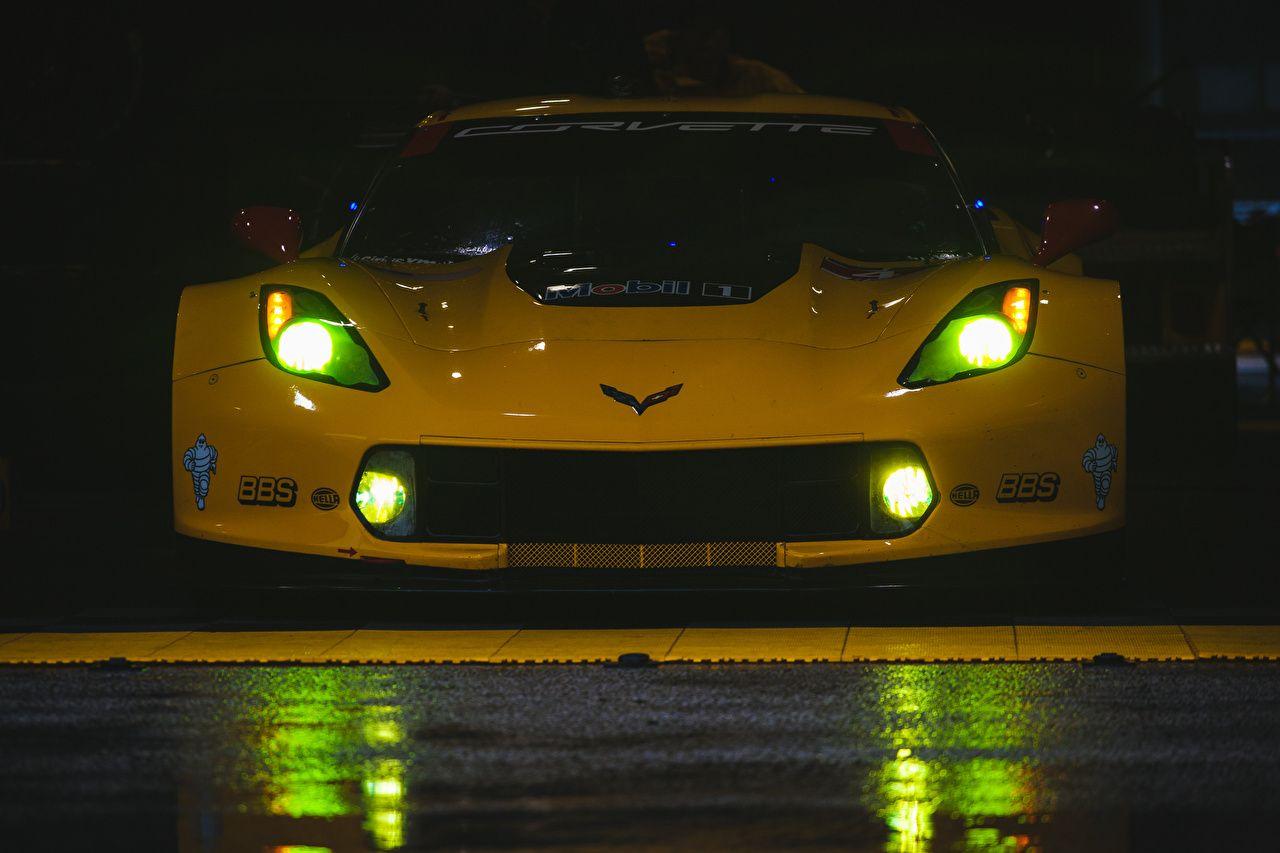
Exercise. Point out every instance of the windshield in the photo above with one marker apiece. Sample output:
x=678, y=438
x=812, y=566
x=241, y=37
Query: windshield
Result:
x=672, y=197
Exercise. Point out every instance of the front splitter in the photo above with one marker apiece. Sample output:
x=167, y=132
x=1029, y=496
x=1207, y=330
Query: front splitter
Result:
x=1081, y=561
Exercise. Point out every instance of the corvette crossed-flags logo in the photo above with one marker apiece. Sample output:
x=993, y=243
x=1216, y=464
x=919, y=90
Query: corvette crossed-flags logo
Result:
x=638, y=406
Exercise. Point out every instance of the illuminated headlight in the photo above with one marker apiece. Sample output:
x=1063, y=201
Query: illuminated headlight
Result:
x=902, y=491
x=906, y=492
x=991, y=328
x=986, y=342
x=380, y=497
x=304, y=334
x=305, y=346
x=385, y=493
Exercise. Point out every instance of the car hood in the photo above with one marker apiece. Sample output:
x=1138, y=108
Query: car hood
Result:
x=828, y=302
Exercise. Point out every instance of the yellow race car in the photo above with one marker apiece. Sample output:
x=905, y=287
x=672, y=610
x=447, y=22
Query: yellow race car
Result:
x=693, y=337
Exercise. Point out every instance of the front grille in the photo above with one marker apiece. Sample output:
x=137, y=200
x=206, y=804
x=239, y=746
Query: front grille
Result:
x=672, y=555
x=586, y=508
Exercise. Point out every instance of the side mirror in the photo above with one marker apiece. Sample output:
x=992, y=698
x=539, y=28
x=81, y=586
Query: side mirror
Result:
x=1071, y=225
x=272, y=231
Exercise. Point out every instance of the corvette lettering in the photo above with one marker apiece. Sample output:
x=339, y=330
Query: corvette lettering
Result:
x=643, y=127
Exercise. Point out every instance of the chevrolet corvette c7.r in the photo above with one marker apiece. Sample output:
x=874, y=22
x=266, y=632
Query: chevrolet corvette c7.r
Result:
x=766, y=334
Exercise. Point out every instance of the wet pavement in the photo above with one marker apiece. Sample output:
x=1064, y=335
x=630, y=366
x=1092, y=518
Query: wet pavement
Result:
x=874, y=757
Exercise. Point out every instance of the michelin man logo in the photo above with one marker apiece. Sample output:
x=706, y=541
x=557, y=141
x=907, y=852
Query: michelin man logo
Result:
x=201, y=459
x=1100, y=461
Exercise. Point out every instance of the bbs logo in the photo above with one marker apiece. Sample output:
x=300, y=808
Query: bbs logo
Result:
x=1025, y=488
x=267, y=491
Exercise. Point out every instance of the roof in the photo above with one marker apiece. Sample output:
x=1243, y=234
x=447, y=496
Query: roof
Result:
x=583, y=104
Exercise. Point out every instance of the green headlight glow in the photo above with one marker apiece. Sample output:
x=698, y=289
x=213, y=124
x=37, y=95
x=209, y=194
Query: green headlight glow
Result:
x=303, y=333
x=906, y=492
x=989, y=330
x=305, y=345
x=380, y=497
x=986, y=341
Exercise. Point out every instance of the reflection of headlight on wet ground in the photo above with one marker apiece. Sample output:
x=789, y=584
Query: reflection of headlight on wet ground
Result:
x=387, y=828
x=949, y=777
x=382, y=732
x=382, y=788
x=384, y=803
x=324, y=743
x=385, y=781
x=910, y=816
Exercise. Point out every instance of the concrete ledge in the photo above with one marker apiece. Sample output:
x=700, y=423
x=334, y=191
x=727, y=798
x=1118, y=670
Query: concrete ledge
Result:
x=690, y=645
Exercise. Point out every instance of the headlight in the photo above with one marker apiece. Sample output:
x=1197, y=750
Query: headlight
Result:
x=380, y=497
x=906, y=492
x=902, y=491
x=303, y=333
x=305, y=346
x=991, y=328
x=385, y=493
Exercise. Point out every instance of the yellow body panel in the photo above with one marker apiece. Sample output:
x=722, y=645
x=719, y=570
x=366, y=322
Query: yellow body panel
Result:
x=806, y=363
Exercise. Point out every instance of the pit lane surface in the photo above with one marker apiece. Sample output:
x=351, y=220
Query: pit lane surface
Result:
x=1167, y=756
x=667, y=645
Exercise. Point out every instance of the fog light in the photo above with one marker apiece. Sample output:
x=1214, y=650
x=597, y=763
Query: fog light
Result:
x=386, y=493
x=986, y=342
x=906, y=492
x=305, y=345
x=380, y=497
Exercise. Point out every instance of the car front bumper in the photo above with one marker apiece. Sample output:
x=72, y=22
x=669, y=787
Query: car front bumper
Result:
x=1004, y=451
x=1072, y=562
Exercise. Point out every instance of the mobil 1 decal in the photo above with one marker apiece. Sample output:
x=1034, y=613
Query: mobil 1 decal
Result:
x=1028, y=487
x=726, y=291
x=634, y=287
x=707, y=292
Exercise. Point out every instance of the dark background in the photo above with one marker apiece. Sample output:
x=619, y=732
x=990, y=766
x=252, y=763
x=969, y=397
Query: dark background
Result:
x=130, y=136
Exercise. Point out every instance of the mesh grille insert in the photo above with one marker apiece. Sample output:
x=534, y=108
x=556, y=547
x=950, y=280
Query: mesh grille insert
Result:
x=675, y=555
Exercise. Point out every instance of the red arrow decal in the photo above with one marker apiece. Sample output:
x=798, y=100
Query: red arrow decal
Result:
x=350, y=552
